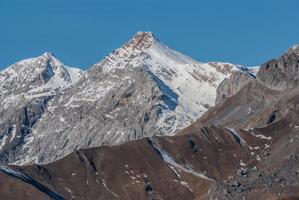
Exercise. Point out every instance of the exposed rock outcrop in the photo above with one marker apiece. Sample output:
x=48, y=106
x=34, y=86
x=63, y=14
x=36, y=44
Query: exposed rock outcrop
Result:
x=282, y=73
x=230, y=86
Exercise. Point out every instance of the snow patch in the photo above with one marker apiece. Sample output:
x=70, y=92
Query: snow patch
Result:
x=171, y=162
x=105, y=185
x=236, y=135
x=261, y=136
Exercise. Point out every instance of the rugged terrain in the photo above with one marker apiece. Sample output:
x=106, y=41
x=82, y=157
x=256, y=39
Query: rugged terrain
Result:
x=213, y=163
x=26, y=88
x=141, y=89
x=244, y=147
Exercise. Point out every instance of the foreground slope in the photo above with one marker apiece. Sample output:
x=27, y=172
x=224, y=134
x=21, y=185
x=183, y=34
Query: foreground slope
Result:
x=215, y=162
x=141, y=89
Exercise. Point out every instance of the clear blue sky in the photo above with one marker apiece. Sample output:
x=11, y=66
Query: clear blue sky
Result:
x=81, y=32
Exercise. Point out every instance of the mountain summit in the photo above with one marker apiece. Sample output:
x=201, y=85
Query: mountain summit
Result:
x=142, y=41
x=37, y=75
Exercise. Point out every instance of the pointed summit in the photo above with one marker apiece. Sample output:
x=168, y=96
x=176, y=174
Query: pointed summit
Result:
x=48, y=56
x=144, y=34
x=141, y=40
x=36, y=75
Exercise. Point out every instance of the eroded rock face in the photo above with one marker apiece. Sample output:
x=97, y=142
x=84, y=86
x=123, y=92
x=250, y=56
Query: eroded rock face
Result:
x=230, y=86
x=256, y=98
x=282, y=73
x=26, y=88
x=19, y=125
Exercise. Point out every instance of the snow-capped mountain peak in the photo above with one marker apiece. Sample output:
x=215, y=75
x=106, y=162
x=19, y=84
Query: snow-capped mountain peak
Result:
x=189, y=85
x=142, y=89
x=142, y=41
x=39, y=76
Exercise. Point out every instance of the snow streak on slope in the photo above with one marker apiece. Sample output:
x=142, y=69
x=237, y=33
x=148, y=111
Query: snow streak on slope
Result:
x=23, y=177
x=172, y=163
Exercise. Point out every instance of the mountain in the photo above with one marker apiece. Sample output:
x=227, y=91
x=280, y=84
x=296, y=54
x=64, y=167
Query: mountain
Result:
x=245, y=147
x=37, y=77
x=26, y=88
x=142, y=89
x=265, y=107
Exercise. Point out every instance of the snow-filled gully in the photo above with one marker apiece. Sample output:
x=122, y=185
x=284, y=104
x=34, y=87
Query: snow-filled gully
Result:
x=23, y=177
x=173, y=165
x=236, y=135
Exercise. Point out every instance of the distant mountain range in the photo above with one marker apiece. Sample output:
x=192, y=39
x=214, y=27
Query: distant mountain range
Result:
x=148, y=122
x=141, y=89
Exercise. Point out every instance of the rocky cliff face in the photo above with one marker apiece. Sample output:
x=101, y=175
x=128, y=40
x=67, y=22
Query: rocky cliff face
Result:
x=142, y=89
x=282, y=73
x=257, y=97
x=230, y=86
x=25, y=90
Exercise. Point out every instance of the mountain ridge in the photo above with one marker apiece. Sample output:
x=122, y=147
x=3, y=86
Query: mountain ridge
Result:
x=141, y=89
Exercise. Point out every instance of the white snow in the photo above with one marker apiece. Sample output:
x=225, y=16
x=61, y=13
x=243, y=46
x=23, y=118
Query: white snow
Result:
x=261, y=136
x=13, y=134
x=258, y=158
x=291, y=140
x=3, y=141
x=26, y=71
x=254, y=70
x=185, y=184
x=109, y=116
x=14, y=173
x=193, y=82
x=189, y=85
x=242, y=163
x=173, y=164
x=105, y=185
x=267, y=146
x=236, y=134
